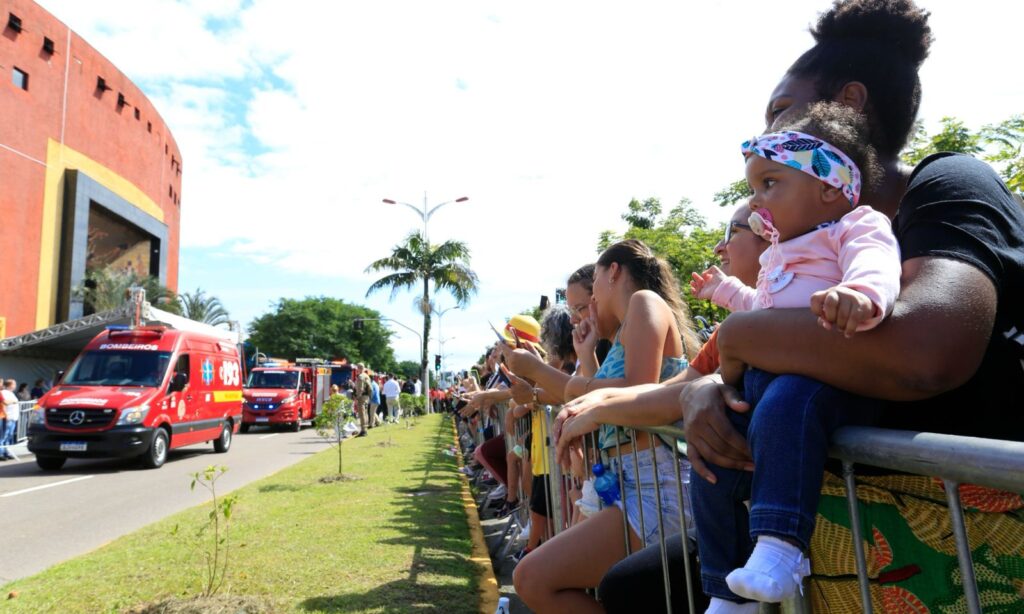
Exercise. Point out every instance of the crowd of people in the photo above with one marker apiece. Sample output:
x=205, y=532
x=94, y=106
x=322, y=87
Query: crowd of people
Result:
x=861, y=292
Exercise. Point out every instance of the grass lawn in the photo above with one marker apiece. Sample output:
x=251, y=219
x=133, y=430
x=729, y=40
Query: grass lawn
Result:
x=395, y=541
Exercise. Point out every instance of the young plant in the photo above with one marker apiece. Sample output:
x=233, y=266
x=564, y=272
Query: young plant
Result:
x=219, y=520
x=329, y=421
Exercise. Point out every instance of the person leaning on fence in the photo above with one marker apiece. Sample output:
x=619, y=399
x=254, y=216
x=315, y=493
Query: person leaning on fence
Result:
x=11, y=411
x=938, y=356
x=831, y=252
x=636, y=301
x=636, y=583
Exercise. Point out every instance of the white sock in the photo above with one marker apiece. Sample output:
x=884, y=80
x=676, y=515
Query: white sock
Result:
x=724, y=606
x=772, y=573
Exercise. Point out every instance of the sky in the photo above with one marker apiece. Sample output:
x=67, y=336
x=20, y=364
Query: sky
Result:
x=295, y=120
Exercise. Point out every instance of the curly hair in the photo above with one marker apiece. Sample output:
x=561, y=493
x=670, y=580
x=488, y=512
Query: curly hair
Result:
x=882, y=44
x=844, y=128
x=583, y=276
x=556, y=332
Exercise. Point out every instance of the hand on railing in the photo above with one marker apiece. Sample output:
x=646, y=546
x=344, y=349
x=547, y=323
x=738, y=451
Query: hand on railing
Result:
x=710, y=435
x=571, y=424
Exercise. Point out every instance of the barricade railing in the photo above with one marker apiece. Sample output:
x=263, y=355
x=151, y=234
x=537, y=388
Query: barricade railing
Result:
x=25, y=410
x=953, y=459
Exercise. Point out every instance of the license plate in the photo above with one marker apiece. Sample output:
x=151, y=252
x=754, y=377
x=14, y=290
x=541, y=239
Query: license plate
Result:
x=262, y=419
x=72, y=446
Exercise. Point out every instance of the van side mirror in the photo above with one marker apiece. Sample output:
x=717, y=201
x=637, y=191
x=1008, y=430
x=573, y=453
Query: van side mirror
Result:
x=307, y=387
x=179, y=381
x=60, y=376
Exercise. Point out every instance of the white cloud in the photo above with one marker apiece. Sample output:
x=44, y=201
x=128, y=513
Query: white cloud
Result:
x=550, y=116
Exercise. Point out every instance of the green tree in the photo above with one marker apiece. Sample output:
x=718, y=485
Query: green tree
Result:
x=1005, y=142
x=733, y=193
x=322, y=327
x=415, y=261
x=329, y=422
x=107, y=289
x=204, y=308
x=682, y=237
x=408, y=369
x=953, y=135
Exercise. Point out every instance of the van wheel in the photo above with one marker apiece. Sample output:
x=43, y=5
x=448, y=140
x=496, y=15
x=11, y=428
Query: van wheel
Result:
x=50, y=463
x=223, y=443
x=244, y=428
x=156, y=455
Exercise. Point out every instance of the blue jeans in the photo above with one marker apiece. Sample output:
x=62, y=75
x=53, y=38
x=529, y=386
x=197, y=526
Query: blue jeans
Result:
x=788, y=429
x=10, y=431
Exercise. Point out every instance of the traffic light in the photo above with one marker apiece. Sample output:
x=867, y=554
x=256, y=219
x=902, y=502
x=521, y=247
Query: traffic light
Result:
x=437, y=362
x=357, y=325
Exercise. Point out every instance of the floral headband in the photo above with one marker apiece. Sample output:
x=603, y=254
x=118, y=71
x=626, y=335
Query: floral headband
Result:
x=811, y=155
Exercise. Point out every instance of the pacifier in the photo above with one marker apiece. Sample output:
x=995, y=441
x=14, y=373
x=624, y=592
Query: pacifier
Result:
x=761, y=223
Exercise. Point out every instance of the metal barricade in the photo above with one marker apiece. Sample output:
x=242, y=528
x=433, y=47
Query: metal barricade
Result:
x=953, y=459
x=25, y=412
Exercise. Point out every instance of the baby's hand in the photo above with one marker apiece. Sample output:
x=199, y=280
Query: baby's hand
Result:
x=703, y=285
x=843, y=308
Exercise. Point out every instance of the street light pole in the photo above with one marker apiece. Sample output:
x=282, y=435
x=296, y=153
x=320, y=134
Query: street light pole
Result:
x=425, y=214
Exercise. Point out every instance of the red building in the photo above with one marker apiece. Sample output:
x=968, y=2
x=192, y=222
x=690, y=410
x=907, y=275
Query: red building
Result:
x=90, y=176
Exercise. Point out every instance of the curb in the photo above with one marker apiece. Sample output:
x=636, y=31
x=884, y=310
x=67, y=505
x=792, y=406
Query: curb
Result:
x=488, y=589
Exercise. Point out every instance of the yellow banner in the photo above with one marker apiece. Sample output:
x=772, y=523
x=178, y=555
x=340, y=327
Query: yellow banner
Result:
x=224, y=396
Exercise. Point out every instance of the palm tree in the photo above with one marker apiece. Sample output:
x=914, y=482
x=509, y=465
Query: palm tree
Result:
x=202, y=308
x=414, y=261
x=105, y=289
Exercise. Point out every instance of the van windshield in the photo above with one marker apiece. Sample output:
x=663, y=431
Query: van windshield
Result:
x=273, y=379
x=119, y=368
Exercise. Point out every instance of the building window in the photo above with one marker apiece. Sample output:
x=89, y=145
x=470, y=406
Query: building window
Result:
x=20, y=78
x=14, y=22
x=149, y=127
x=48, y=46
x=138, y=115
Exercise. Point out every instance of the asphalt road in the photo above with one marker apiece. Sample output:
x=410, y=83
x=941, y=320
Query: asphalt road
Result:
x=51, y=516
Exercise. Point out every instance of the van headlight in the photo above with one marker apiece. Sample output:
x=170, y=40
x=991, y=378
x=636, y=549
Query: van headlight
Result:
x=290, y=399
x=37, y=416
x=133, y=415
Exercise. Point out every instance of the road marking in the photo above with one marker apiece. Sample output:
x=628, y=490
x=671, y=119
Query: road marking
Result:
x=269, y=436
x=35, y=488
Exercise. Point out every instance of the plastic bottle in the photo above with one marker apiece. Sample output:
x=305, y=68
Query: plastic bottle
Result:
x=502, y=606
x=605, y=484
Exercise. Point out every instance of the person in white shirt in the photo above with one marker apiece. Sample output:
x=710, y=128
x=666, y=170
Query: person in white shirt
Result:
x=12, y=411
x=417, y=386
x=391, y=392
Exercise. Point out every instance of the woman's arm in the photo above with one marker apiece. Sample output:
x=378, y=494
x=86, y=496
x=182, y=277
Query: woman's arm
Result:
x=933, y=341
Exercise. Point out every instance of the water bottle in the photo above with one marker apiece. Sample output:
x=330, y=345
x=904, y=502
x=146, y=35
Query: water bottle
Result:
x=502, y=606
x=605, y=484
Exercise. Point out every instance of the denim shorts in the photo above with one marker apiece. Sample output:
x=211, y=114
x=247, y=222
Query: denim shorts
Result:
x=647, y=504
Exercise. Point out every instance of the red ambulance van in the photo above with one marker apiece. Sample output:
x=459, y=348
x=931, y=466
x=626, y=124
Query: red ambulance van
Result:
x=140, y=391
x=280, y=393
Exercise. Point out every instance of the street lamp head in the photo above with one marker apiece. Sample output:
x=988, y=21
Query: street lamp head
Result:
x=462, y=199
x=389, y=201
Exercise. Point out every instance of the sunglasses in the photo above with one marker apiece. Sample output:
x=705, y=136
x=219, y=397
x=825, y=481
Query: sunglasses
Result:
x=730, y=230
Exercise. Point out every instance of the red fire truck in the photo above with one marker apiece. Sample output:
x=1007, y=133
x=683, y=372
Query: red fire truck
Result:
x=140, y=391
x=283, y=393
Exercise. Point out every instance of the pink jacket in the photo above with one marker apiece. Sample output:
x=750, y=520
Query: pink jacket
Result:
x=857, y=252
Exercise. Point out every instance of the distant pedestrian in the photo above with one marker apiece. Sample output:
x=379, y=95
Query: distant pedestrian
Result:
x=361, y=392
x=391, y=392
x=374, y=400
x=408, y=387
x=23, y=393
x=37, y=390
x=9, y=405
x=417, y=386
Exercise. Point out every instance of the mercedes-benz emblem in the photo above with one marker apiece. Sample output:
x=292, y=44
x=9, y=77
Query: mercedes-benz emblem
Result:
x=77, y=417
